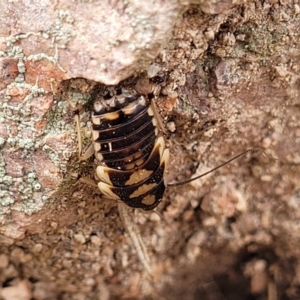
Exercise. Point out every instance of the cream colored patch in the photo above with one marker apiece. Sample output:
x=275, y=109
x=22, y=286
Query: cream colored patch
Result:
x=95, y=135
x=98, y=156
x=138, y=176
x=149, y=200
x=150, y=111
x=159, y=146
x=154, y=122
x=121, y=99
x=97, y=147
x=103, y=174
x=165, y=159
x=111, y=102
x=143, y=189
x=98, y=106
x=142, y=100
x=131, y=107
x=96, y=120
x=105, y=189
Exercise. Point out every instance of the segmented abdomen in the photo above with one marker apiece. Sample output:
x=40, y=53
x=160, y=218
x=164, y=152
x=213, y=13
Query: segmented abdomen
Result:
x=130, y=147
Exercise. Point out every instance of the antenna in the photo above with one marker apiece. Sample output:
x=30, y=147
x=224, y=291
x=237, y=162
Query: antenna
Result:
x=222, y=165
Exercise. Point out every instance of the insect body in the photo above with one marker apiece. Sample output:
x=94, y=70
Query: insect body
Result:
x=128, y=142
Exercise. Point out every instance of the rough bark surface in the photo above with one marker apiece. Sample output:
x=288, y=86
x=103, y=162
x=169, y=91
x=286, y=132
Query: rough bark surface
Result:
x=231, y=81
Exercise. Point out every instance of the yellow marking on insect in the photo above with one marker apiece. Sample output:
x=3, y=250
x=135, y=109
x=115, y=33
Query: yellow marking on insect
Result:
x=149, y=200
x=111, y=116
x=143, y=189
x=138, y=176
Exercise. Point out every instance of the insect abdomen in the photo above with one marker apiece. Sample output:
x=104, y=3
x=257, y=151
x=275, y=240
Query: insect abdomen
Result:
x=130, y=148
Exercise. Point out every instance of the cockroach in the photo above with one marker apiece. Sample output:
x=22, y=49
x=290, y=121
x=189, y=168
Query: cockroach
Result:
x=129, y=144
x=128, y=141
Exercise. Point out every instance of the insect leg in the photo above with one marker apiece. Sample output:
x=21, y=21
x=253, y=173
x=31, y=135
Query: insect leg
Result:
x=83, y=155
x=158, y=117
x=135, y=237
x=88, y=181
x=90, y=150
